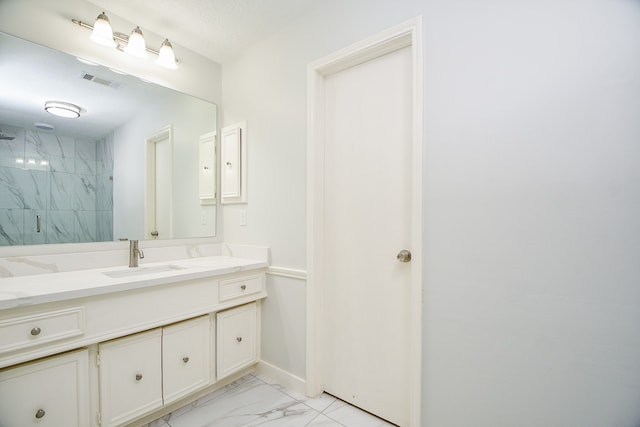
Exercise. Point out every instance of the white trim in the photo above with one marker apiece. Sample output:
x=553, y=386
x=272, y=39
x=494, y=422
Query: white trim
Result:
x=287, y=272
x=403, y=35
x=281, y=377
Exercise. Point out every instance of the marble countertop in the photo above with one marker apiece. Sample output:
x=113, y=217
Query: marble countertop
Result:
x=44, y=288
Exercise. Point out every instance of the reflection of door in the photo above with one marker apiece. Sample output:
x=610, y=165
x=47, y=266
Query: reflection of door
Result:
x=159, y=206
x=367, y=206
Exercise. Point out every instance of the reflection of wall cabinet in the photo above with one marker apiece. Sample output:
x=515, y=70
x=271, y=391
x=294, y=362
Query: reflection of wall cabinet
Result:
x=52, y=392
x=140, y=373
x=233, y=162
x=207, y=174
x=236, y=343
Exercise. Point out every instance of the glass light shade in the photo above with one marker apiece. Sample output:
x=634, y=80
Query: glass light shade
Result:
x=102, y=33
x=136, y=45
x=166, y=57
x=62, y=109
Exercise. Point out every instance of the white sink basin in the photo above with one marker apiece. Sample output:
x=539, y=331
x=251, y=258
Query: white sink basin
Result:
x=139, y=271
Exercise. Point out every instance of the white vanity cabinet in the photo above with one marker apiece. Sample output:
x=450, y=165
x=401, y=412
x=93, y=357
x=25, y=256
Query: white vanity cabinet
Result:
x=187, y=357
x=130, y=377
x=51, y=392
x=236, y=339
x=114, y=358
x=145, y=371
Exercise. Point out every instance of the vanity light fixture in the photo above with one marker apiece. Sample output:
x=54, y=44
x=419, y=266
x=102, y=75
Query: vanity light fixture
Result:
x=62, y=109
x=166, y=57
x=133, y=44
x=102, y=32
x=136, y=46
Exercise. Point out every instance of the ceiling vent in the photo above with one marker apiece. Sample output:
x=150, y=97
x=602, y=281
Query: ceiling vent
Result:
x=99, y=80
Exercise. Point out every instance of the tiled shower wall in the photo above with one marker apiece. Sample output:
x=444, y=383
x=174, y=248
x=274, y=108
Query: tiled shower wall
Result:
x=66, y=181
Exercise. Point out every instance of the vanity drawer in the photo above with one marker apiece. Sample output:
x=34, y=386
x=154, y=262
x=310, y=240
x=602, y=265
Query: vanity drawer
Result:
x=40, y=328
x=240, y=286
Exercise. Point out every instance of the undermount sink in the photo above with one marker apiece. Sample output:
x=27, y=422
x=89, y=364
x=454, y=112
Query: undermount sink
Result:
x=139, y=271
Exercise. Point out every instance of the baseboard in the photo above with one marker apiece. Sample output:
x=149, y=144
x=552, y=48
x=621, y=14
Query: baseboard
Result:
x=282, y=377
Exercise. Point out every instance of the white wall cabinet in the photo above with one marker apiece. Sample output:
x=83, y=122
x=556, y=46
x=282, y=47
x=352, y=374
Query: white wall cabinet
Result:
x=233, y=159
x=142, y=372
x=51, y=392
x=236, y=339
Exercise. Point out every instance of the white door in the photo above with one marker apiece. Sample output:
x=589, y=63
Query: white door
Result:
x=364, y=224
x=159, y=208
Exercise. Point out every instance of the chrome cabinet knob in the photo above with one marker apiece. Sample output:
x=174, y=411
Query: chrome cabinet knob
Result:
x=138, y=377
x=40, y=413
x=239, y=339
x=404, y=256
x=36, y=331
x=185, y=359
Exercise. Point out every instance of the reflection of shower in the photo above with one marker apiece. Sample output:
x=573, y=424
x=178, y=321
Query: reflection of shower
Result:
x=5, y=137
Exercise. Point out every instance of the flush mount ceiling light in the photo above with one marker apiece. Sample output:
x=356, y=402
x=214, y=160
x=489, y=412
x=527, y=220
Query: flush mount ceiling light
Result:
x=133, y=44
x=62, y=109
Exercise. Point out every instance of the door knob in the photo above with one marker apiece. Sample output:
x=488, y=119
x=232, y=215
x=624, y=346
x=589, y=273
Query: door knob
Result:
x=404, y=256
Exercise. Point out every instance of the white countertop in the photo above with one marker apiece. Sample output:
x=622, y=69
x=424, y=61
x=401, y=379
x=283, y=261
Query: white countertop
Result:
x=44, y=288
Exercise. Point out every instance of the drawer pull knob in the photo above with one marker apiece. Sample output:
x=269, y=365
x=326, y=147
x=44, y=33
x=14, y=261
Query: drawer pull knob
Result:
x=243, y=287
x=40, y=413
x=185, y=359
x=239, y=339
x=36, y=331
x=138, y=377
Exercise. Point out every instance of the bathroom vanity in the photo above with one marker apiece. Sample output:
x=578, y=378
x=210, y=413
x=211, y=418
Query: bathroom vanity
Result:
x=112, y=346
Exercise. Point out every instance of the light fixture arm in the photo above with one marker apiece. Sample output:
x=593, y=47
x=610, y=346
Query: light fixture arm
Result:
x=122, y=38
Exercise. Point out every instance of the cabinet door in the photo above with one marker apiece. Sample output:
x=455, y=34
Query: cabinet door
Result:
x=187, y=357
x=52, y=392
x=236, y=339
x=130, y=377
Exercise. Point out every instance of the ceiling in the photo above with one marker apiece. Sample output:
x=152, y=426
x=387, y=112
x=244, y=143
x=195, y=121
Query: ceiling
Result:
x=215, y=29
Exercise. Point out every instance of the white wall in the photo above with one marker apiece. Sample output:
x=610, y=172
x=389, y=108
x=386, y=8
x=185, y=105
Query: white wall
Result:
x=531, y=195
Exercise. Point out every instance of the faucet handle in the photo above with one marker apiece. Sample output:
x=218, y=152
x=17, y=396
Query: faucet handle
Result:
x=140, y=253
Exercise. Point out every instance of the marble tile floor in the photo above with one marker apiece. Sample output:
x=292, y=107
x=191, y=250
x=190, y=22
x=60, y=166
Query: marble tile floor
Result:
x=255, y=400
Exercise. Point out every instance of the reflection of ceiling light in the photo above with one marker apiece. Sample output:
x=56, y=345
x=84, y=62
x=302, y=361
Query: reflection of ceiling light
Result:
x=136, y=46
x=19, y=160
x=62, y=109
x=166, y=57
x=44, y=126
x=102, y=32
x=118, y=71
x=85, y=61
x=31, y=161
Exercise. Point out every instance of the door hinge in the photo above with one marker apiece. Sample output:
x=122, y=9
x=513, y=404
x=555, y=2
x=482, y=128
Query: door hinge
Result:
x=99, y=417
x=98, y=359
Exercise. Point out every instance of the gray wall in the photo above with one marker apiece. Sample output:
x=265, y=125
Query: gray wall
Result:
x=531, y=196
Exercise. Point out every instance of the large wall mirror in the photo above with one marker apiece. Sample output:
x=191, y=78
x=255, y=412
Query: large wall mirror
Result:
x=98, y=177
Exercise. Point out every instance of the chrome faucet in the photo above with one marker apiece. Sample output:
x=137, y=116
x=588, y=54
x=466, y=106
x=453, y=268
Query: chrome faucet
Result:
x=134, y=253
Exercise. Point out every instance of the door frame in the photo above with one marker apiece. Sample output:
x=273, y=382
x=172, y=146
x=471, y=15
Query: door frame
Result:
x=407, y=34
x=166, y=133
